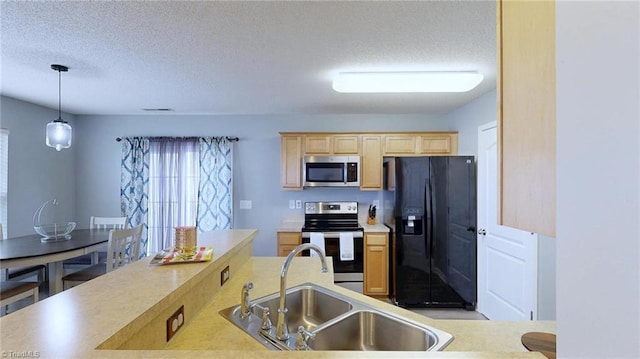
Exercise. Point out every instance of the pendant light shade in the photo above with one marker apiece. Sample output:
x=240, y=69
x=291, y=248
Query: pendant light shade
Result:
x=59, y=132
x=59, y=135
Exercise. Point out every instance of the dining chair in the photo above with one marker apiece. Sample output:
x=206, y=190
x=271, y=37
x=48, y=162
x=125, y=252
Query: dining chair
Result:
x=18, y=273
x=100, y=256
x=123, y=248
x=108, y=222
x=13, y=290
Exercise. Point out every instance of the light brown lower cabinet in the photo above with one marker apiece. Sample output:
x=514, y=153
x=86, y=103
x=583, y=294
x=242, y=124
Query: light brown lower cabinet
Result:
x=287, y=242
x=376, y=264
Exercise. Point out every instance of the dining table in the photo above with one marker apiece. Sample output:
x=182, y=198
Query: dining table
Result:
x=31, y=250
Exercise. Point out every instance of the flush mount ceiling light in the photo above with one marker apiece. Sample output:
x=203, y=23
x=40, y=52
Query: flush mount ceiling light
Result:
x=397, y=82
x=59, y=132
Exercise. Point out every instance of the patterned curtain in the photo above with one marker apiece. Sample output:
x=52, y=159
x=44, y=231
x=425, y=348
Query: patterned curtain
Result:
x=134, y=183
x=215, y=192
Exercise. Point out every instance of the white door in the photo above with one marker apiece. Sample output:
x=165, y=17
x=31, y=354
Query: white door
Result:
x=507, y=257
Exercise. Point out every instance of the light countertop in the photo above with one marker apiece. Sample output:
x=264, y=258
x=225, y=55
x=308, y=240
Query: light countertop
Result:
x=378, y=227
x=290, y=226
x=210, y=331
x=112, y=311
x=114, y=307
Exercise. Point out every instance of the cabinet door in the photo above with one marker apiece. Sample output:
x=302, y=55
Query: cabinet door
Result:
x=285, y=249
x=287, y=242
x=526, y=115
x=317, y=145
x=376, y=264
x=437, y=144
x=399, y=145
x=371, y=163
x=346, y=145
x=291, y=162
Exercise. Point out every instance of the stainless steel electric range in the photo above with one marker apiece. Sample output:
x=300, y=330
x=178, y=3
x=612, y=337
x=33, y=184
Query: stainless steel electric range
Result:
x=331, y=219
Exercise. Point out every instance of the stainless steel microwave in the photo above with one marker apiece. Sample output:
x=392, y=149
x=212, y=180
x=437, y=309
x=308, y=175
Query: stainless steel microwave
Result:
x=331, y=171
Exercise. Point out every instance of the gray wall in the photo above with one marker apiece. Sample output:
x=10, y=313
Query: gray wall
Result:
x=598, y=179
x=546, y=278
x=468, y=118
x=256, y=156
x=37, y=173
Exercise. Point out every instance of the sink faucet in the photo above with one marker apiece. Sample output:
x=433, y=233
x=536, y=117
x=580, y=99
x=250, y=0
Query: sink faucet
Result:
x=282, y=328
x=245, y=302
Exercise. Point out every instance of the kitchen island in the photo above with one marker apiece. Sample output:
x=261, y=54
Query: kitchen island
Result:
x=124, y=313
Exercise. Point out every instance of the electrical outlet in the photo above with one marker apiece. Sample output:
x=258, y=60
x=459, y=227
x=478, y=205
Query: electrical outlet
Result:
x=292, y=204
x=175, y=322
x=224, y=276
x=245, y=204
x=298, y=203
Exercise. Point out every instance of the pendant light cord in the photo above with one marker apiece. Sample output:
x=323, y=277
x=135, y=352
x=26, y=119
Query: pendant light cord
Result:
x=60, y=69
x=59, y=96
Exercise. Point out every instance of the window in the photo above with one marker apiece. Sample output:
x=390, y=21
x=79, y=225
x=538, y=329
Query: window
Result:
x=167, y=182
x=4, y=178
x=174, y=175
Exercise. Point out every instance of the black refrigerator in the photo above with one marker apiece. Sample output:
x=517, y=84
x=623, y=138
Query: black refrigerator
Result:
x=434, y=253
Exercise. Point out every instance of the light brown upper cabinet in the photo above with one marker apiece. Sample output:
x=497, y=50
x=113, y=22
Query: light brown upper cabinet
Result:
x=317, y=145
x=437, y=144
x=420, y=144
x=371, y=147
x=371, y=163
x=291, y=162
x=346, y=144
x=328, y=144
x=399, y=145
x=526, y=115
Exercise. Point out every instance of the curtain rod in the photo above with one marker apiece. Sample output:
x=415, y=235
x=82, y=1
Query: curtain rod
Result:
x=229, y=138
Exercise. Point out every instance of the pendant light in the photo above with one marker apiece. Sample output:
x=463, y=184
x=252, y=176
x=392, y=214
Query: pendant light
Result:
x=58, y=131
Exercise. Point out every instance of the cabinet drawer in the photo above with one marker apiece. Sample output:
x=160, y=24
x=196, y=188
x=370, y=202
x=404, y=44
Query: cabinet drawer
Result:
x=376, y=239
x=289, y=238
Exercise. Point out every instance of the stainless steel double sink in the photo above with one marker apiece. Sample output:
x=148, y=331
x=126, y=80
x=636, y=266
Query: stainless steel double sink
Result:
x=336, y=322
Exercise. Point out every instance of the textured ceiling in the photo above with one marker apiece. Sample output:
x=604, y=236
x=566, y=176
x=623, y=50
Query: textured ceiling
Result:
x=238, y=57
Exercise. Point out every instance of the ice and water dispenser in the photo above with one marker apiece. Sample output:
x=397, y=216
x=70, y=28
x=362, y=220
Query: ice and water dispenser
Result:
x=412, y=225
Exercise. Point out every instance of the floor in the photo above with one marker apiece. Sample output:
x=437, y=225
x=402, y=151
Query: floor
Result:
x=439, y=313
x=452, y=313
x=448, y=313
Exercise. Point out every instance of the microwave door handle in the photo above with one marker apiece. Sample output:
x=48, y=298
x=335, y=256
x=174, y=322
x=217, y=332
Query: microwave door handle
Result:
x=344, y=172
